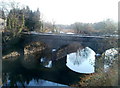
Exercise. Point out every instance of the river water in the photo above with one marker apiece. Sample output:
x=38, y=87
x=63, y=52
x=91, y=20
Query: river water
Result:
x=82, y=61
x=40, y=70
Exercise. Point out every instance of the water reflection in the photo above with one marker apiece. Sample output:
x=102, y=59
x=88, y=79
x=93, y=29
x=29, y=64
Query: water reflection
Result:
x=20, y=72
x=46, y=62
x=41, y=82
x=32, y=82
x=41, y=70
x=110, y=56
x=82, y=61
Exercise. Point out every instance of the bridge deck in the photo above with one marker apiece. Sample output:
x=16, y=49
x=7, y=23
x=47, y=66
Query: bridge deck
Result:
x=69, y=35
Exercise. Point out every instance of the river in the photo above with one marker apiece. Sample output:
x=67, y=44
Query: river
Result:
x=40, y=70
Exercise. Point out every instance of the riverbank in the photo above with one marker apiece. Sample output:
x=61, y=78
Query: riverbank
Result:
x=12, y=49
x=103, y=77
x=27, y=51
x=11, y=55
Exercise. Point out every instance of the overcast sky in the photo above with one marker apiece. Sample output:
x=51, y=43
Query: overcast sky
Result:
x=70, y=11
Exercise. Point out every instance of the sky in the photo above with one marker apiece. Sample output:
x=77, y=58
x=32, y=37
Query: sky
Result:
x=71, y=11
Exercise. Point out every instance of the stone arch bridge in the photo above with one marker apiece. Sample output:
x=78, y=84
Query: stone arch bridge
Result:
x=55, y=41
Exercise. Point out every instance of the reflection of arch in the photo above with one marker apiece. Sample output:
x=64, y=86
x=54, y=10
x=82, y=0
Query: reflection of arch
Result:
x=84, y=54
x=81, y=62
x=64, y=50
